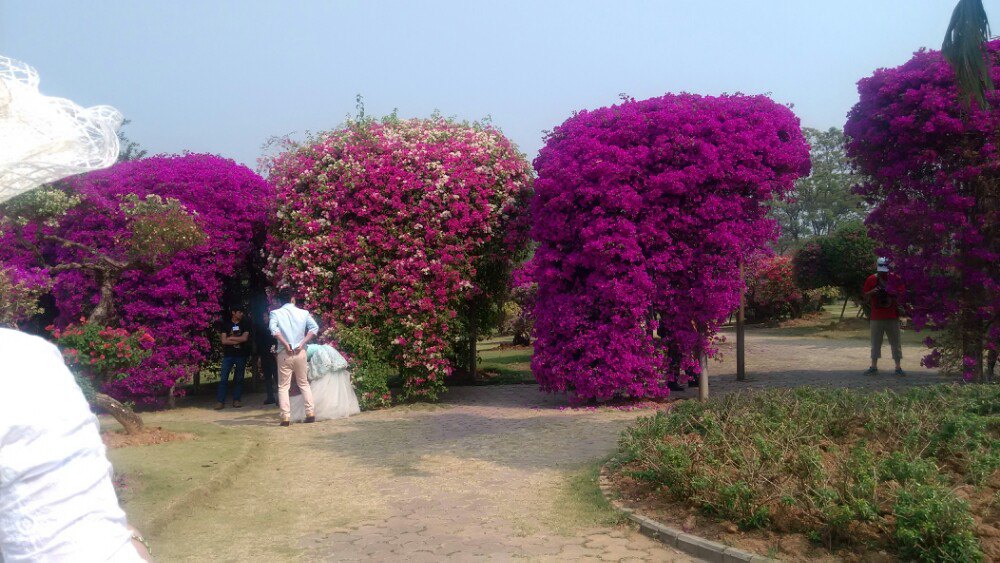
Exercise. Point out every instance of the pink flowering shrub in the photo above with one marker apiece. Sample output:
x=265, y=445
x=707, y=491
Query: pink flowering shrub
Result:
x=97, y=355
x=643, y=212
x=387, y=227
x=932, y=170
x=107, y=217
x=772, y=292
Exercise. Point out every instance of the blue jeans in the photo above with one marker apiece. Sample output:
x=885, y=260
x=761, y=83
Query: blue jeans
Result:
x=228, y=362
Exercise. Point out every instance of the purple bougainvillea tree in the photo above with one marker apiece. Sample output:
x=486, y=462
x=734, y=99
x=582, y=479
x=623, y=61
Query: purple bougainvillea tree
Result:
x=146, y=244
x=932, y=167
x=643, y=212
x=388, y=228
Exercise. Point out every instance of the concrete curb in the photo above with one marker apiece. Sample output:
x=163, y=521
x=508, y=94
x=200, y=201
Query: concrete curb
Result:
x=701, y=548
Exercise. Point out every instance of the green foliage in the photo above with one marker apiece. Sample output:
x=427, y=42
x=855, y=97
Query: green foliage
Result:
x=823, y=200
x=837, y=465
x=101, y=353
x=42, y=205
x=842, y=259
x=127, y=148
x=964, y=47
x=371, y=368
x=20, y=297
x=159, y=228
x=932, y=524
x=97, y=354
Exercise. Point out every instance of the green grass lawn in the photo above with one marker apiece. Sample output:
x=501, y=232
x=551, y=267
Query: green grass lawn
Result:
x=504, y=367
x=159, y=479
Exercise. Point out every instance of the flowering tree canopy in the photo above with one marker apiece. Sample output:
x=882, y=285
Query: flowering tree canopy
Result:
x=932, y=169
x=146, y=243
x=643, y=212
x=386, y=226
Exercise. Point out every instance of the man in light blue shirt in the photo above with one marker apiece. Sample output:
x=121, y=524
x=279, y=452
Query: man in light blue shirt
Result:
x=294, y=328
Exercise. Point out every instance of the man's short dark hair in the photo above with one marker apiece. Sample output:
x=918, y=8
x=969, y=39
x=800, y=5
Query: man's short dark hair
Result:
x=285, y=295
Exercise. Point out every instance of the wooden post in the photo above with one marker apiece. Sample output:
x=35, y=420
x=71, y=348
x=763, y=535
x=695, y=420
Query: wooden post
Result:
x=703, y=379
x=473, y=338
x=741, y=372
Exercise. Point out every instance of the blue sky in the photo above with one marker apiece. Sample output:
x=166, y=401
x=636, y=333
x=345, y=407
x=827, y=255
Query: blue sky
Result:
x=221, y=76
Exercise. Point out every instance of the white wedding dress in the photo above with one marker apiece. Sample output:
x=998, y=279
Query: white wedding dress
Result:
x=330, y=380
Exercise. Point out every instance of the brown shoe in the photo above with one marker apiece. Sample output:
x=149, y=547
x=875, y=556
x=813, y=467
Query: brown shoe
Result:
x=310, y=418
x=286, y=422
x=220, y=406
x=237, y=404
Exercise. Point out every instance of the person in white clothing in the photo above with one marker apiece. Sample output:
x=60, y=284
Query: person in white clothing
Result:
x=57, y=502
x=294, y=328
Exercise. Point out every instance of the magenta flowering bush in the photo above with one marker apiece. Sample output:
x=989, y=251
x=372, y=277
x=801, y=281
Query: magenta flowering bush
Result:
x=772, y=291
x=127, y=216
x=643, y=212
x=387, y=227
x=932, y=170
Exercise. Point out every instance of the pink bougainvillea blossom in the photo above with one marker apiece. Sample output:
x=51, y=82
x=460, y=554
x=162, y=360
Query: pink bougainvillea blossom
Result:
x=176, y=301
x=932, y=169
x=643, y=212
x=382, y=225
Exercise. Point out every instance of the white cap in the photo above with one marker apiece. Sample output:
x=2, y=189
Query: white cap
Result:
x=882, y=264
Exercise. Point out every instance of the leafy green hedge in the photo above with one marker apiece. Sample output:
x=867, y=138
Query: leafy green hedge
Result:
x=370, y=368
x=843, y=467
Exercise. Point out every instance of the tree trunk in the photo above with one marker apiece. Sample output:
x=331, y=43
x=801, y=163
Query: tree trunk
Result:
x=972, y=343
x=130, y=421
x=703, y=379
x=103, y=314
x=844, y=308
x=741, y=371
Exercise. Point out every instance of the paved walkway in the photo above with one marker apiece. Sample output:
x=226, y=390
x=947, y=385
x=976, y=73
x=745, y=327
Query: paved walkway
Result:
x=486, y=476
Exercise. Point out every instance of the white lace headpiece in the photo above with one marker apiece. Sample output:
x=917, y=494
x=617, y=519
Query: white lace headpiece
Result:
x=44, y=139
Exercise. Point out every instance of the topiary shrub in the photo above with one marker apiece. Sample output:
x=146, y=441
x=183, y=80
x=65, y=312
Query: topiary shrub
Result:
x=931, y=168
x=404, y=229
x=643, y=212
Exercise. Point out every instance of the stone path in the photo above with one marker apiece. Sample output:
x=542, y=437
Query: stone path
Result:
x=486, y=476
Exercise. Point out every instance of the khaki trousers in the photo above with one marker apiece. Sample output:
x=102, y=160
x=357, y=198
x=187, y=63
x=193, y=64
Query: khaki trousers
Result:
x=290, y=365
x=889, y=327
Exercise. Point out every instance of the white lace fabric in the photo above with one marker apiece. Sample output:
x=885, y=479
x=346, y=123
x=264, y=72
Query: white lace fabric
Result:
x=330, y=380
x=43, y=138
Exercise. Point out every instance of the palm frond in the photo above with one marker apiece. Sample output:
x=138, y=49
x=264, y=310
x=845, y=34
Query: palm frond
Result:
x=964, y=48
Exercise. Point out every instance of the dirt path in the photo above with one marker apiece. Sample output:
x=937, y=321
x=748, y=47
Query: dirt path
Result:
x=774, y=359
x=493, y=473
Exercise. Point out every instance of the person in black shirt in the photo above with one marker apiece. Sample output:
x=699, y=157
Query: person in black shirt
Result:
x=235, y=336
x=267, y=345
